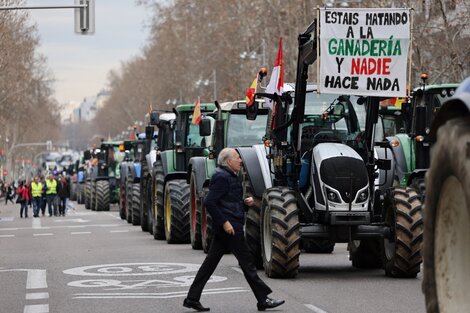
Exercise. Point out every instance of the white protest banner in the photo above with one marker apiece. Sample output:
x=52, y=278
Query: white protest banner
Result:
x=364, y=51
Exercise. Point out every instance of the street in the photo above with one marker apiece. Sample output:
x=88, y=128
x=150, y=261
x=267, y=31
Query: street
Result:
x=95, y=262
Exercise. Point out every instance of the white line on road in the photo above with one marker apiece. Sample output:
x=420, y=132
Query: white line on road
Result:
x=119, y=231
x=314, y=308
x=7, y=219
x=44, y=234
x=6, y=236
x=37, y=295
x=3, y=229
x=36, y=279
x=80, y=233
x=36, y=308
x=114, y=215
x=237, y=269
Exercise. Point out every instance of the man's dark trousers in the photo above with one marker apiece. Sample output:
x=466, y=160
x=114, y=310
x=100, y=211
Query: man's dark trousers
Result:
x=222, y=243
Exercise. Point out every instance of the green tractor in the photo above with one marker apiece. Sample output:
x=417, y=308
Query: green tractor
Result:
x=232, y=129
x=411, y=148
x=105, y=176
x=171, y=195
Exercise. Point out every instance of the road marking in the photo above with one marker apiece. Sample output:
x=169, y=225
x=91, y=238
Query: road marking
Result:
x=36, y=279
x=314, y=308
x=37, y=295
x=237, y=269
x=113, y=215
x=3, y=229
x=36, y=223
x=80, y=232
x=76, y=220
x=7, y=219
x=6, y=236
x=36, y=308
x=119, y=231
x=162, y=295
x=44, y=234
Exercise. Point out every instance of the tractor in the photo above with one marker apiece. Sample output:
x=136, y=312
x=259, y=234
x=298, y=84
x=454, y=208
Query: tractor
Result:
x=323, y=180
x=171, y=195
x=446, y=278
x=411, y=148
x=105, y=175
x=232, y=129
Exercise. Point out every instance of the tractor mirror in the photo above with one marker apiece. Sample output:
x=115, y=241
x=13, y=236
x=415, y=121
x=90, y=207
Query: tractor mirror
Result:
x=384, y=164
x=127, y=145
x=154, y=118
x=205, y=127
x=87, y=155
x=252, y=111
x=149, y=132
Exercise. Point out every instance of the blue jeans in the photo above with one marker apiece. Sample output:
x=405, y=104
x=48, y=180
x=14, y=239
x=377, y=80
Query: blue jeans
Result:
x=37, y=202
x=24, y=207
x=52, y=201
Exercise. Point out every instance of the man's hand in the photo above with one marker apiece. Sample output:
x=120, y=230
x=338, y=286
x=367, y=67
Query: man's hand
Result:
x=249, y=201
x=228, y=228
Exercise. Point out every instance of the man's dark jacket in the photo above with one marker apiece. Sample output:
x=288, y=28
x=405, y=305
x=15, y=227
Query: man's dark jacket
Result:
x=224, y=200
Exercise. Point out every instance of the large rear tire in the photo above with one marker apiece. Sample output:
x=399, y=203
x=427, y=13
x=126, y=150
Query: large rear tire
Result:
x=158, y=209
x=81, y=192
x=195, y=215
x=86, y=195
x=102, y=195
x=136, y=204
x=206, y=224
x=446, y=279
x=128, y=187
x=280, y=233
x=92, y=195
x=144, y=204
x=402, y=254
x=177, y=211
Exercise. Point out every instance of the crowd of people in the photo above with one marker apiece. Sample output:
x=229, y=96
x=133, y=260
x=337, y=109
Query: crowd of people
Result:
x=51, y=192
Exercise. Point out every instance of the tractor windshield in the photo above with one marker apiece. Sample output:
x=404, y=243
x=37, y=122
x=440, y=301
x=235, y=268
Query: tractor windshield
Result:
x=243, y=132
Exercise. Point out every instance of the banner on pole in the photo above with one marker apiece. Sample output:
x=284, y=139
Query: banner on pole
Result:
x=364, y=51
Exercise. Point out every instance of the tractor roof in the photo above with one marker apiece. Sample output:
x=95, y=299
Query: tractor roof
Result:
x=205, y=107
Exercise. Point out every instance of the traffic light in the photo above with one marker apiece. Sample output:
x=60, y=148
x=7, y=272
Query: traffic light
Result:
x=85, y=17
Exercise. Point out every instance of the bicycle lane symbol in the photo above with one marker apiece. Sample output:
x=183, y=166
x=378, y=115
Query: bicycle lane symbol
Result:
x=131, y=280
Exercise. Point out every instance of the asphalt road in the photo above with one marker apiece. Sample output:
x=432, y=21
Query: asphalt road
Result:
x=95, y=262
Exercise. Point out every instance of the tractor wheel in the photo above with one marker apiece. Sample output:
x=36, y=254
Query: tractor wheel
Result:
x=102, y=195
x=366, y=253
x=158, y=209
x=122, y=201
x=402, y=254
x=86, y=195
x=280, y=237
x=144, y=205
x=177, y=211
x=195, y=215
x=446, y=278
x=128, y=187
x=149, y=204
x=73, y=191
x=136, y=204
x=206, y=224
x=317, y=246
x=81, y=192
x=93, y=196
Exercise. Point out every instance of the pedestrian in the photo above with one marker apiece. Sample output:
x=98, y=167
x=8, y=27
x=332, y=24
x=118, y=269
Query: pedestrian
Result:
x=36, y=193
x=44, y=196
x=51, y=195
x=10, y=194
x=63, y=191
x=225, y=204
x=23, y=198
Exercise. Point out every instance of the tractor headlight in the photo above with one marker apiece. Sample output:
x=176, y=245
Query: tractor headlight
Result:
x=332, y=195
x=363, y=195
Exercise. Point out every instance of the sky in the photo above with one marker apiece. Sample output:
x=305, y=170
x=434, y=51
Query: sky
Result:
x=80, y=64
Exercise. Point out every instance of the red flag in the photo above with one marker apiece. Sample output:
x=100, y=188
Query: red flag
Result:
x=250, y=92
x=197, y=116
x=276, y=82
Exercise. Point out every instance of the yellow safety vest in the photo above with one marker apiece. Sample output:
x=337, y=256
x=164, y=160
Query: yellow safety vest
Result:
x=36, y=189
x=51, y=187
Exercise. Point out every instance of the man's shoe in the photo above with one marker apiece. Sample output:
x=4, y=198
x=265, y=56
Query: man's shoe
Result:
x=196, y=305
x=269, y=304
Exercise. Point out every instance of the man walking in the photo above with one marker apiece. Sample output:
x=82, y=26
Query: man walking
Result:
x=51, y=194
x=225, y=204
x=36, y=192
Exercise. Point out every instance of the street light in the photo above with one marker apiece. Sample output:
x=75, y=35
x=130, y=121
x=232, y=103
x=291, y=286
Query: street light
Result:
x=253, y=54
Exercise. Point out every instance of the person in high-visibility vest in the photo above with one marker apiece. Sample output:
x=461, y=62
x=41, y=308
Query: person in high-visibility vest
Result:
x=36, y=192
x=51, y=194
